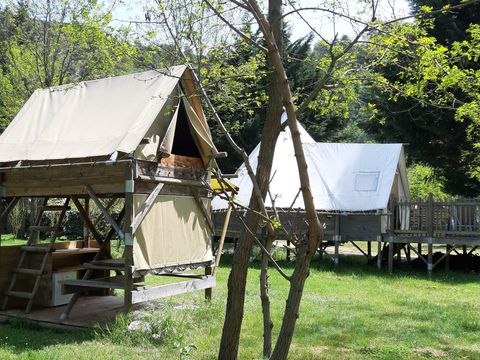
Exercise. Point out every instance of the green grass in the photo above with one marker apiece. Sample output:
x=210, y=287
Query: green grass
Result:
x=354, y=313
x=11, y=240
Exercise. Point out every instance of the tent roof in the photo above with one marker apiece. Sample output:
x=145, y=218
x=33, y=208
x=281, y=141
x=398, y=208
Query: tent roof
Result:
x=343, y=177
x=89, y=119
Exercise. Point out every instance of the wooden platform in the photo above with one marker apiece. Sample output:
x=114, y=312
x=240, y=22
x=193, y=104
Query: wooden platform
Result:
x=88, y=312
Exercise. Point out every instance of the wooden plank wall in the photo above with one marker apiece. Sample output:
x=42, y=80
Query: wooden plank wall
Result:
x=65, y=180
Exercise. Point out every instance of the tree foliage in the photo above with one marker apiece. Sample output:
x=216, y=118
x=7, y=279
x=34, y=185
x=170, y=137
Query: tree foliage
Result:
x=47, y=43
x=427, y=94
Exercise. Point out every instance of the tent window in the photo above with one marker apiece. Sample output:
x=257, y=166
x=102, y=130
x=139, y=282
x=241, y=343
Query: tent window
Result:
x=367, y=180
x=183, y=142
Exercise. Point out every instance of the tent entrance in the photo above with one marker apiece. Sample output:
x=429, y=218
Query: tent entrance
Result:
x=183, y=142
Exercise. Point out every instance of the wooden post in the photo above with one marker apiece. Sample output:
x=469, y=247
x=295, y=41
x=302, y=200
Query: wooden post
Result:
x=336, y=240
x=399, y=254
x=431, y=215
x=430, y=229
x=408, y=253
x=447, y=258
x=419, y=247
x=208, y=291
x=369, y=251
x=86, y=233
x=128, y=238
x=289, y=254
x=379, y=252
x=390, y=255
x=464, y=248
x=222, y=238
x=336, y=259
x=429, y=259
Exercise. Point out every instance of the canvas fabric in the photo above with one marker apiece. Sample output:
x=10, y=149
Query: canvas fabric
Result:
x=173, y=233
x=343, y=177
x=101, y=117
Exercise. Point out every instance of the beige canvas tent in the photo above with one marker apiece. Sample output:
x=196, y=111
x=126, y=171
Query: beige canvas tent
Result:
x=140, y=138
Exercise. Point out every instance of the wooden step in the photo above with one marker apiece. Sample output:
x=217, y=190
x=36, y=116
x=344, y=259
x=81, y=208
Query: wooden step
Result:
x=74, y=286
x=19, y=294
x=114, y=263
x=36, y=272
x=38, y=249
x=54, y=208
x=44, y=228
x=93, y=266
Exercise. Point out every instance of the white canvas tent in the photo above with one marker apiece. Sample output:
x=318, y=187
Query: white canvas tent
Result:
x=343, y=177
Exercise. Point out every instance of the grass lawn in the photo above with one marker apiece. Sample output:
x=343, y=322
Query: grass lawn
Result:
x=355, y=313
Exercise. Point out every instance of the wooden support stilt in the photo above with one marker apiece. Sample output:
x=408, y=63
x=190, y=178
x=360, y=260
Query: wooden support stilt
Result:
x=464, y=248
x=408, y=253
x=336, y=241
x=86, y=232
x=379, y=252
x=128, y=238
x=336, y=259
x=429, y=259
x=419, y=247
x=208, y=291
x=289, y=252
x=369, y=251
x=390, y=255
x=399, y=254
x=447, y=258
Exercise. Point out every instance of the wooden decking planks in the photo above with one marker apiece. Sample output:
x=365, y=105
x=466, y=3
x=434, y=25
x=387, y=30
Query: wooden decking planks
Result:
x=82, y=316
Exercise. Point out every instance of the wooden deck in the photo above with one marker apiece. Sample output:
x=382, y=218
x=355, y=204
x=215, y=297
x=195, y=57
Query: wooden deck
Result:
x=88, y=312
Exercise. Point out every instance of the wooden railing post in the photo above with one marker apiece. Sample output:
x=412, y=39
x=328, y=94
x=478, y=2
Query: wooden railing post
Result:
x=430, y=229
x=430, y=215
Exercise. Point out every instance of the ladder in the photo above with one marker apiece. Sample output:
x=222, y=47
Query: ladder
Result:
x=31, y=250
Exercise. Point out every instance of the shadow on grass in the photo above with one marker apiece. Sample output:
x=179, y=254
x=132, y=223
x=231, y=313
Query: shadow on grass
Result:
x=357, y=265
x=20, y=335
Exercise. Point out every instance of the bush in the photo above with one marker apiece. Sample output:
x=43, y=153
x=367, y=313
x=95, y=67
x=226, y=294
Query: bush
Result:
x=73, y=226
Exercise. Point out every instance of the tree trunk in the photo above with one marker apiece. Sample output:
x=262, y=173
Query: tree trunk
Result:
x=267, y=319
x=238, y=275
x=307, y=250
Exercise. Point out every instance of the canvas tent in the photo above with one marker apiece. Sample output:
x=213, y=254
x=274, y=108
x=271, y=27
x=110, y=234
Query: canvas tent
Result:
x=351, y=185
x=141, y=138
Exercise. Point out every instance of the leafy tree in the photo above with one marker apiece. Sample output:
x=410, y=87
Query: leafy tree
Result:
x=53, y=43
x=423, y=181
x=430, y=91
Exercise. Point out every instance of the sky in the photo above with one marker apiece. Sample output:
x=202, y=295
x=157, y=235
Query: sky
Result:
x=324, y=23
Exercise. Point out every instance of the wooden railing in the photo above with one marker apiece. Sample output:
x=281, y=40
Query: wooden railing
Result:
x=460, y=217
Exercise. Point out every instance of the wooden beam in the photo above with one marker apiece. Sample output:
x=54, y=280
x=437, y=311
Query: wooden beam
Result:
x=173, y=181
x=204, y=210
x=104, y=211
x=222, y=238
x=9, y=208
x=146, y=206
x=208, y=290
x=100, y=216
x=87, y=221
x=156, y=292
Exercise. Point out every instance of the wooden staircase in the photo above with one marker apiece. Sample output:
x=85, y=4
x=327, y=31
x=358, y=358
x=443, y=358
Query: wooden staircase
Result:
x=33, y=250
x=109, y=282
x=87, y=284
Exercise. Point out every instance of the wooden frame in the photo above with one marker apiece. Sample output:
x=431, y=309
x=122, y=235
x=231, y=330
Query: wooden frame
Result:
x=113, y=180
